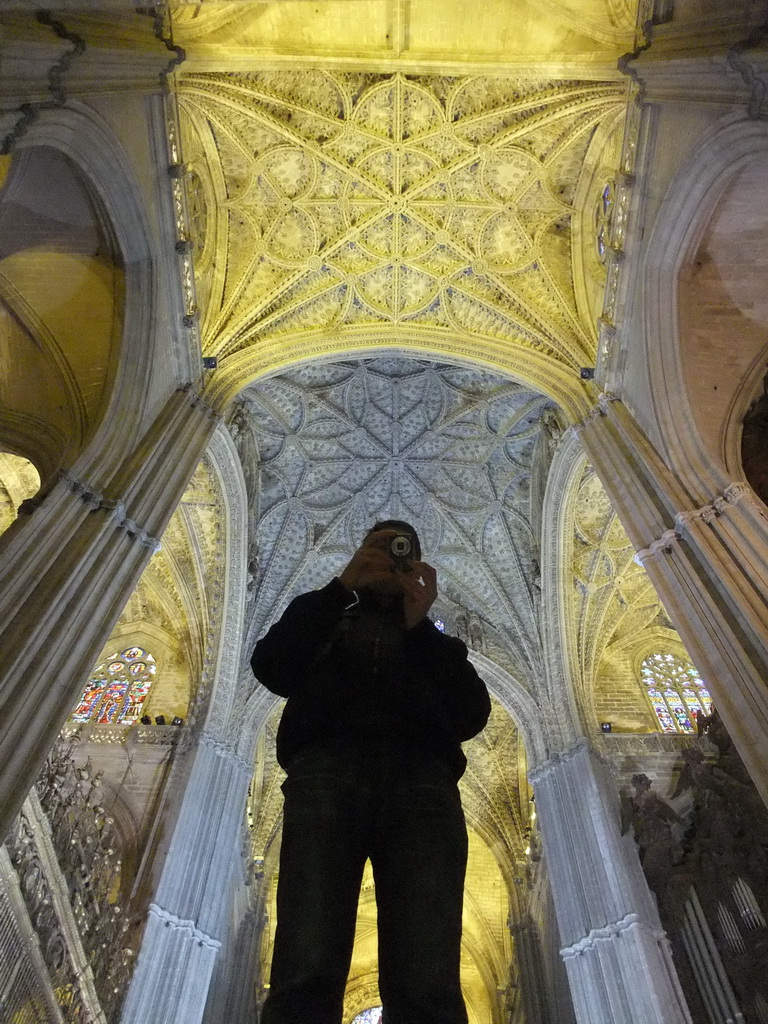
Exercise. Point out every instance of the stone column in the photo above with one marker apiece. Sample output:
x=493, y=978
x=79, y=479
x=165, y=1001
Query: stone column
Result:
x=531, y=968
x=65, y=575
x=709, y=567
x=239, y=1002
x=192, y=904
x=616, y=953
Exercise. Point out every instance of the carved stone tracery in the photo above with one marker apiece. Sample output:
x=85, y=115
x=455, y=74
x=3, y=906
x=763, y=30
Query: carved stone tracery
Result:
x=422, y=202
x=343, y=444
x=615, y=603
x=65, y=850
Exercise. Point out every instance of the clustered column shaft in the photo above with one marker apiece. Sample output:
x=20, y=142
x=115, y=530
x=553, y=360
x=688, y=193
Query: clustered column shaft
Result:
x=62, y=595
x=191, y=907
x=709, y=567
x=616, y=953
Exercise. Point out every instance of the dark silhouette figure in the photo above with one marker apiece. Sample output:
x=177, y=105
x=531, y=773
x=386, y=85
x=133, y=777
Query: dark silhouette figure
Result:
x=379, y=701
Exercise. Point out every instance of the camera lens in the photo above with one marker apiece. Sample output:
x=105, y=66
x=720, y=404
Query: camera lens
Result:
x=401, y=546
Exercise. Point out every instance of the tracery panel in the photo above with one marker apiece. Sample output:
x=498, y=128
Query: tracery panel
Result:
x=676, y=692
x=116, y=691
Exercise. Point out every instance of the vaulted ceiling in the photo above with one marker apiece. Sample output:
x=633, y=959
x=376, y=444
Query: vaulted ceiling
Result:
x=436, y=34
x=393, y=209
x=431, y=213
x=331, y=447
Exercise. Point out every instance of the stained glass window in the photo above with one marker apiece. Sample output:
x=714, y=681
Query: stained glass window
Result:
x=676, y=692
x=117, y=689
x=372, y=1016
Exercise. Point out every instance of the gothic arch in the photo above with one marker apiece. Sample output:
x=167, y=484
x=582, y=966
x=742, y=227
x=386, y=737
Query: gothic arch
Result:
x=598, y=602
x=227, y=696
x=558, y=627
x=61, y=288
x=136, y=393
x=518, y=703
x=689, y=207
x=533, y=369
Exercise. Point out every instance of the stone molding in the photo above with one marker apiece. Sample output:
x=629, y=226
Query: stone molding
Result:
x=754, y=75
x=227, y=753
x=599, y=409
x=95, y=501
x=118, y=735
x=223, y=663
x=55, y=74
x=198, y=402
x=187, y=927
x=558, y=629
x=563, y=757
x=662, y=544
x=608, y=933
x=516, y=701
x=734, y=494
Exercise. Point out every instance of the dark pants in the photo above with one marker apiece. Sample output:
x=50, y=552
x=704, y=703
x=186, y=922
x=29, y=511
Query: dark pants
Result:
x=342, y=806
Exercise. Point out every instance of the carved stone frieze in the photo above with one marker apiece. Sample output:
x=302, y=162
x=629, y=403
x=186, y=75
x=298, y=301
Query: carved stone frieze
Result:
x=65, y=849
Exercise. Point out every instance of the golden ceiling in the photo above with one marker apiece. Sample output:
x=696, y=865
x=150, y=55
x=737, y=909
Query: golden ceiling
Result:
x=415, y=33
x=426, y=212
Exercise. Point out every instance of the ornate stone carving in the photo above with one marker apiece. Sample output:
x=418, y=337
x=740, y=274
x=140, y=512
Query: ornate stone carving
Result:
x=719, y=846
x=437, y=204
x=65, y=849
x=343, y=444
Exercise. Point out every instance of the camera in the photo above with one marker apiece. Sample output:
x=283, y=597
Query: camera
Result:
x=401, y=550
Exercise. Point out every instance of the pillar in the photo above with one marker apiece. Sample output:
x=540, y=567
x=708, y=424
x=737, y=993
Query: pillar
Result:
x=237, y=1003
x=191, y=908
x=61, y=595
x=532, y=972
x=709, y=566
x=617, y=956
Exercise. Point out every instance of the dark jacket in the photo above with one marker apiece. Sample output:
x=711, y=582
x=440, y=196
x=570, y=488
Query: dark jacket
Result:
x=358, y=673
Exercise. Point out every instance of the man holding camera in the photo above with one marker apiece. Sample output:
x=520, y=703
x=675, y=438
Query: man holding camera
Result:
x=379, y=701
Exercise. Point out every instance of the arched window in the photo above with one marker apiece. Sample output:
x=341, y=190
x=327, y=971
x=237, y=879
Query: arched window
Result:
x=117, y=688
x=676, y=691
x=372, y=1016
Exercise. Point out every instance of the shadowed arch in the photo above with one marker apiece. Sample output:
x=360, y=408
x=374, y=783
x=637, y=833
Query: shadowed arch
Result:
x=136, y=393
x=687, y=211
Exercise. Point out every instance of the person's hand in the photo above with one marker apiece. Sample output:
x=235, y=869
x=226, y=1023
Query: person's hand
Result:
x=371, y=565
x=419, y=589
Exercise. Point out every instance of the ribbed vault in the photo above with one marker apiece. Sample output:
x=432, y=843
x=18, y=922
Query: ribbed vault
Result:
x=361, y=211
x=452, y=449
x=329, y=448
